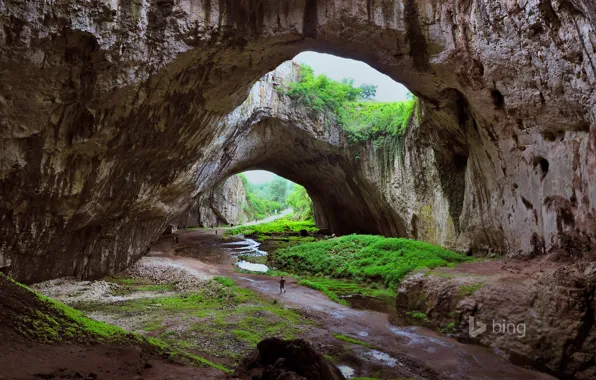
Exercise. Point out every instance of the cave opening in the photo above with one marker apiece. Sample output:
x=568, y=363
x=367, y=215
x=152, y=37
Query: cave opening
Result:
x=118, y=117
x=338, y=108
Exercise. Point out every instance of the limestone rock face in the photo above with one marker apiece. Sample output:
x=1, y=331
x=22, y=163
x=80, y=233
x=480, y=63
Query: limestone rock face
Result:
x=114, y=115
x=221, y=205
x=535, y=312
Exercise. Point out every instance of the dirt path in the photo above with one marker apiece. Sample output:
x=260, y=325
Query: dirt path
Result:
x=269, y=219
x=416, y=349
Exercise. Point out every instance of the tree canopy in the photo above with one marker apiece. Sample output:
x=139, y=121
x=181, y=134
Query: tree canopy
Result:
x=353, y=106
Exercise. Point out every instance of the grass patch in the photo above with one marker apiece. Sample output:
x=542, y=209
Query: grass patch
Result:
x=325, y=290
x=247, y=336
x=448, y=328
x=48, y=321
x=418, y=316
x=469, y=289
x=365, y=258
x=200, y=361
x=225, y=281
x=348, y=339
x=220, y=319
x=153, y=325
x=155, y=288
x=278, y=226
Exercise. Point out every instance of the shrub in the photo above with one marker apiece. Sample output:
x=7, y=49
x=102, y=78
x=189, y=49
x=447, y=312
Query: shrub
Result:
x=361, y=118
x=282, y=225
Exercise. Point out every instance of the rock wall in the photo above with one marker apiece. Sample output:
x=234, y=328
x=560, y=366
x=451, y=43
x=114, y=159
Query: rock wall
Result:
x=221, y=205
x=547, y=310
x=113, y=116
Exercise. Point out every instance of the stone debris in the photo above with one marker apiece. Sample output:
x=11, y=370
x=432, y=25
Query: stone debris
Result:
x=165, y=271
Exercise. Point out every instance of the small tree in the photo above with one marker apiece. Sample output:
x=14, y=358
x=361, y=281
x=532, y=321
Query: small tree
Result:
x=368, y=91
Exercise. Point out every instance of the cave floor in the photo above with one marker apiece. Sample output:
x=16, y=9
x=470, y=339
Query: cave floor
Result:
x=369, y=343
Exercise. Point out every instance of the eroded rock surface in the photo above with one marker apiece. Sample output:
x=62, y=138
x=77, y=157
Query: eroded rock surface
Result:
x=113, y=116
x=223, y=204
x=536, y=312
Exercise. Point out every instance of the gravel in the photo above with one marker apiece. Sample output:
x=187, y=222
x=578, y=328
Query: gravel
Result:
x=165, y=271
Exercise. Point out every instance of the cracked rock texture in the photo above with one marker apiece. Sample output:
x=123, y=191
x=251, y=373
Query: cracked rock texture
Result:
x=222, y=204
x=536, y=312
x=114, y=115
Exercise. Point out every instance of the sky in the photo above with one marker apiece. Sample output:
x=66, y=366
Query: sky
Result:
x=259, y=176
x=338, y=68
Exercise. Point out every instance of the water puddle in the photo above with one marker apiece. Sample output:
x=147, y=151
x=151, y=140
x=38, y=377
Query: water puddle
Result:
x=415, y=339
x=243, y=250
x=381, y=358
x=252, y=266
x=348, y=372
x=362, y=333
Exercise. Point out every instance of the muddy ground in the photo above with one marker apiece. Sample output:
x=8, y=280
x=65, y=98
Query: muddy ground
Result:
x=149, y=299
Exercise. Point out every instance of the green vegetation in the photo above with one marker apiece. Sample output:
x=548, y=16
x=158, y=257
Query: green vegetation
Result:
x=260, y=201
x=449, y=328
x=335, y=288
x=200, y=361
x=278, y=226
x=469, y=289
x=300, y=203
x=218, y=313
x=325, y=290
x=364, y=258
x=352, y=340
x=48, y=321
x=266, y=198
x=225, y=281
x=376, y=120
x=54, y=322
x=361, y=118
x=418, y=316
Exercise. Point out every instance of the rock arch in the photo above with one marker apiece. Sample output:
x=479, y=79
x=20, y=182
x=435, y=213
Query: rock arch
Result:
x=113, y=114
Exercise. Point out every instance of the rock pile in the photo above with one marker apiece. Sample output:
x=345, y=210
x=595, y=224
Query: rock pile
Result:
x=277, y=359
x=167, y=272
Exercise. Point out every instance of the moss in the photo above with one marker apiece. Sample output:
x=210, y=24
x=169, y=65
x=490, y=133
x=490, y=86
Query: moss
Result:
x=154, y=325
x=448, y=328
x=225, y=281
x=351, y=340
x=247, y=336
x=66, y=323
x=469, y=289
x=418, y=316
x=278, y=226
x=199, y=361
x=323, y=289
x=365, y=258
x=218, y=313
x=156, y=288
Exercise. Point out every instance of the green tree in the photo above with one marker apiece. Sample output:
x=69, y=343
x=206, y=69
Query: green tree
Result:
x=368, y=91
x=300, y=203
x=278, y=190
x=360, y=117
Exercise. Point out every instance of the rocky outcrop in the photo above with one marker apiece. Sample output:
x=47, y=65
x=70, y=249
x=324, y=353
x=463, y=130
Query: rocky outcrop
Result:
x=537, y=312
x=221, y=205
x=296, y=359
x=114, y=115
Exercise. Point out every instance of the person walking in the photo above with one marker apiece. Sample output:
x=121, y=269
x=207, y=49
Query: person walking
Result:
x=282, y=285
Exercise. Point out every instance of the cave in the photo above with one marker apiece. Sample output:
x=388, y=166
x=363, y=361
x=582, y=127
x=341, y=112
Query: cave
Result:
x=116, y=117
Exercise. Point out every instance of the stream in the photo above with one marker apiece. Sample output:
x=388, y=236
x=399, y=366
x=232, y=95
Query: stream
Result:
x=246, y=247
x=368, y=319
